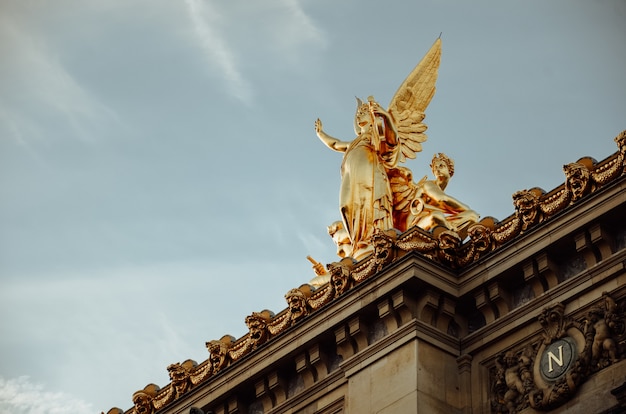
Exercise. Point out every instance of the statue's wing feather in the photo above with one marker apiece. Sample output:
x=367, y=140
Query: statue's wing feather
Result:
x=411, y=100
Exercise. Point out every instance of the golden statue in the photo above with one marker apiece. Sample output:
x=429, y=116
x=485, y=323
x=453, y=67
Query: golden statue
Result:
x=426, y=204
x=384, y=139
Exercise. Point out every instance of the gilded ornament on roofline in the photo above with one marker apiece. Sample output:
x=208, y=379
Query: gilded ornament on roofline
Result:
x=180, y=376
x=578, y=178
x=258, y=332
x=219, y=353
x=383, y=245
x=297, y=301
x=143, y=399
x=526, y=204
x=340, y=275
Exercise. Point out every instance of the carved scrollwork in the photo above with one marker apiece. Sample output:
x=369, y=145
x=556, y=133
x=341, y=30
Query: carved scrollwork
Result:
x=553, y=322
x=570, y=352
x=201, y=373
x=417, y=241
x=507, y=231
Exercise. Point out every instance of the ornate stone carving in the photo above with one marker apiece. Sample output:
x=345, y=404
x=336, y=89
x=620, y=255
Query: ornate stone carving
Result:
x=219, y=355
x=383, y=243
x=418, y=241
x=620, y=140
x=526, y=204
x=340, y=276
x=577, y=179
x=297, y=302
x=570, y=352
x=513, y=380
x=553, y=322
x=180, y=375
x=258, y=332
x=201, y=372
x=448, y=243
x=143, y=399
x=607, y=324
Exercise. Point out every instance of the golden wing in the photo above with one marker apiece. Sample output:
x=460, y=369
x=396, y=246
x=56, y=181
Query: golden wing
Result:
x=411, y=100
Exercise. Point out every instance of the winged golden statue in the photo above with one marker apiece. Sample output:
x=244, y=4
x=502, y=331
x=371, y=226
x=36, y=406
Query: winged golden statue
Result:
x=376, y=192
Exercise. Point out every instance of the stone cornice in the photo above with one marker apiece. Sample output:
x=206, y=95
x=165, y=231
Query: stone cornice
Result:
x=520, y=319
x=532, y=242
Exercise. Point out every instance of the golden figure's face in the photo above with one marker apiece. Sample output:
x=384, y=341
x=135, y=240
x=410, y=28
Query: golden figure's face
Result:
x=362, y=118
x=440, y=169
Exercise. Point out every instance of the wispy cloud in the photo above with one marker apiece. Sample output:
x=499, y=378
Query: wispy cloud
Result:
x=298, y=27
x=39, y=92
x=218, y=52
x=22, y=396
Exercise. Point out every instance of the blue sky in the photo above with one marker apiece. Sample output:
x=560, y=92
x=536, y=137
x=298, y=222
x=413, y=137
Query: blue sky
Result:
x=160, y=177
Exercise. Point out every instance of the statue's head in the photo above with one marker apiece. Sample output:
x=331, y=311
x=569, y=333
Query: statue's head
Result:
x=363, y=117
x=442, y=166
x=510, y=359
x=341, y=238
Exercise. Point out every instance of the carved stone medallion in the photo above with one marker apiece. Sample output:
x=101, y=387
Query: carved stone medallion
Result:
x=557, y=358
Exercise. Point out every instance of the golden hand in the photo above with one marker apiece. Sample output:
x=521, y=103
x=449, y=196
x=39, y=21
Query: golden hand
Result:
x=318, y=126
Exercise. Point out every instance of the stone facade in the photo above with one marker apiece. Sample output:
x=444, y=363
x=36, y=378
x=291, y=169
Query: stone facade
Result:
x=526, y=316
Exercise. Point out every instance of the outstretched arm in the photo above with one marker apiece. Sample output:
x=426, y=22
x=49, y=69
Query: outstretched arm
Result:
x=435, y=196
x=331, y=142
